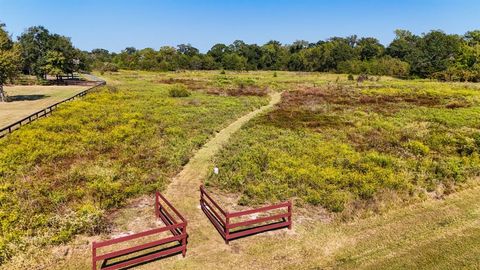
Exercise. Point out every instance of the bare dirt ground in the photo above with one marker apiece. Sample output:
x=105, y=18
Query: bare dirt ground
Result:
x=29, y=99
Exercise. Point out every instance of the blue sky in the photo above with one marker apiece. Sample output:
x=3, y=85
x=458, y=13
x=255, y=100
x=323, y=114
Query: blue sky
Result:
x=116, y=24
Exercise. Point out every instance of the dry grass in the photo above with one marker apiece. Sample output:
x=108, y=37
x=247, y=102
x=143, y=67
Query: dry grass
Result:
x=29, y=99
x=433, y=234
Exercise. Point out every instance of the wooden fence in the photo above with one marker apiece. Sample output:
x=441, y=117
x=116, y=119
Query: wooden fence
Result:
x=48, y=110
x=176, y=226
x=222, y=220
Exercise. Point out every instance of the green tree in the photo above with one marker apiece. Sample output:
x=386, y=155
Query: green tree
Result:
x=54, y=63
x=9, y=60
x=37, y=41
x=472, y=37
x=369, y=48
x=218, y=51
x=188, y=50
x=274, y=56
x=438, y=51
x=404, y=46
x=234, y=61
x=34, y=44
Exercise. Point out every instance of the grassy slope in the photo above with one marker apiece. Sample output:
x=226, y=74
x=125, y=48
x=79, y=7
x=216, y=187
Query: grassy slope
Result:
x=59, y=175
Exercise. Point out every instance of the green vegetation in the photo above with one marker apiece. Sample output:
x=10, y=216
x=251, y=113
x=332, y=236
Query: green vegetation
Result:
x=45, y=54
x=60, y=174
x=435, y=54
x=179, y=90
x=9, y=60
x=353, y=147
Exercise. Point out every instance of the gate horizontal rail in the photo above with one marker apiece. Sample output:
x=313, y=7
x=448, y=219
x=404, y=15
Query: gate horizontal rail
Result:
x=222, y=220
x=44, y=112
x=178, y=229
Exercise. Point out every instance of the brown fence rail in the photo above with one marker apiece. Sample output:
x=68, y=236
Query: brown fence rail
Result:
x=48, y=110
x=177, y=227
x=222, y=220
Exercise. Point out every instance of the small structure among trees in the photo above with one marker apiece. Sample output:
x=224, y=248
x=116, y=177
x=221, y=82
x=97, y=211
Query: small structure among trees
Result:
x=45, y=54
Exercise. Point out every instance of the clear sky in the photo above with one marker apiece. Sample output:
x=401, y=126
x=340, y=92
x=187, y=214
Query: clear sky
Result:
x=116, y=24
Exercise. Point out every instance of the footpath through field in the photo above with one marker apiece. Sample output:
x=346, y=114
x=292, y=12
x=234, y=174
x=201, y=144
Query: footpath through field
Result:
x=434, y=234
x=183, y=193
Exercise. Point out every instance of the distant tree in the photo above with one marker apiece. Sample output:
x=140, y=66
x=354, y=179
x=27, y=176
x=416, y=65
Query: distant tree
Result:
x=438, y=51
x=274, y=56
x=298, y=45
x=167, y=56
x=130, y=50
x=404, y=46
x=297, y=62
x=101, y=55
x=188, y=50
x=34, y=44
x=208, y=63
x=369, y=48
x=54, y=63
x=127, y=58
x=37, y=41
x=9, y=60
x=234, y=61
x=147, y=59
x=472, y=37
x=195, y=63
x=218, y=51
x=252, y=52
x=98, y=58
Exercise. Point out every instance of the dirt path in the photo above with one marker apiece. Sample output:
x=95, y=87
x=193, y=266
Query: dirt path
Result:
x=183, y=193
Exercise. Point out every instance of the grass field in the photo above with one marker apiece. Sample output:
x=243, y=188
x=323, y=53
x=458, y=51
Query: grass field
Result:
x=357, y=147
x=29, y=99
x=384, y=173
x=61, y=173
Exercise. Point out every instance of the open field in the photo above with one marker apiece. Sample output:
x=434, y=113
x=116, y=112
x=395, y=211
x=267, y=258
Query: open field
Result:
x=29, y=99
x=384, y=174
x=61, y=173
x=357, y=147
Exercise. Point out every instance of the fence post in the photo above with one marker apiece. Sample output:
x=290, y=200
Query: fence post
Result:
x=94, y=254
x=157, y=205
x=227, y=230
x=289, y=215
x=184, y=240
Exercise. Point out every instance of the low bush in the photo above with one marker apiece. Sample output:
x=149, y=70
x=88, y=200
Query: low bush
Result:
x=107, y=67
x=179, y=90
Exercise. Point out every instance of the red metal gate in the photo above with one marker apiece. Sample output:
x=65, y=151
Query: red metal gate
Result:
x=222, y=220
x=176, y=226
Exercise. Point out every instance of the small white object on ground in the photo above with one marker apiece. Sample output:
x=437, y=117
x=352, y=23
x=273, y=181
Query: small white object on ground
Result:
x=215, y=170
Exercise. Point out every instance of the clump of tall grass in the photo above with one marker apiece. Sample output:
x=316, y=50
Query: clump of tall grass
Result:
x=179, y=90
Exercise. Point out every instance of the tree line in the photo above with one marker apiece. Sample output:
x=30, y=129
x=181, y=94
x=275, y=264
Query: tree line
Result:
x=431, y=55
x=40, y=53
x=435, y=54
